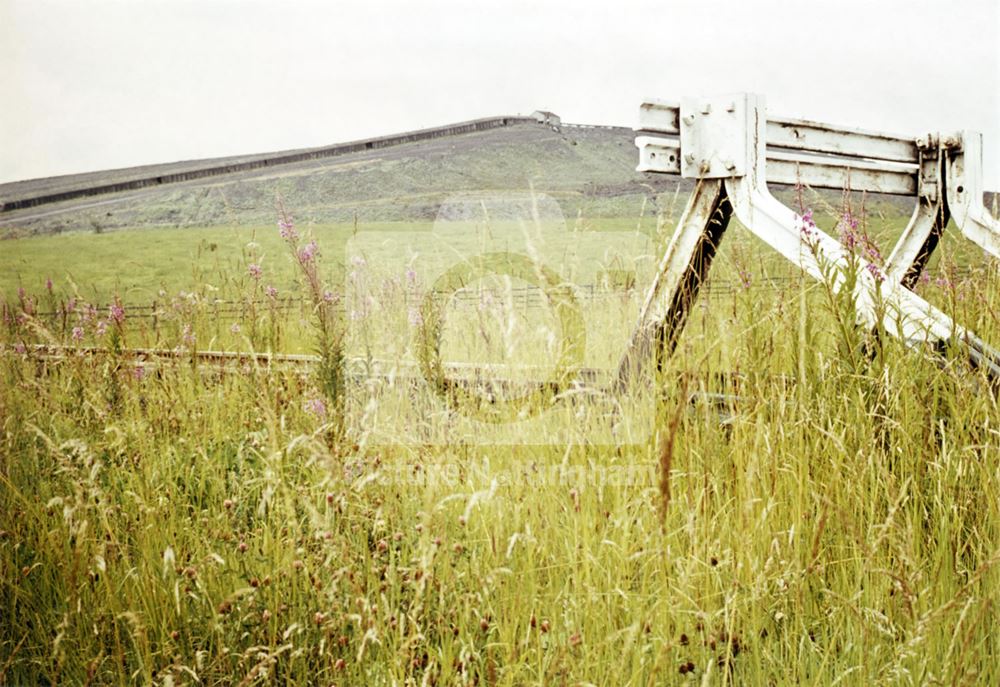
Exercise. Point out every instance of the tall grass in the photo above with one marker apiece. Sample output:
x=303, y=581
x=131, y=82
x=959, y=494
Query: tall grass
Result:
x=835, y=520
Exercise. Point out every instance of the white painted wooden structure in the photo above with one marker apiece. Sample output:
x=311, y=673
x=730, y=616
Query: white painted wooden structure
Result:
x=731, y=149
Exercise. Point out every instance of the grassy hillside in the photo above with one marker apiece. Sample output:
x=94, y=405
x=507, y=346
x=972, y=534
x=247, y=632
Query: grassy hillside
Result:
x=589, y=171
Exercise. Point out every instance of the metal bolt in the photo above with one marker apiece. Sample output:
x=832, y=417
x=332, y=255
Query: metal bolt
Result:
x=922, y=142
x=689, y=158
x=731, y=107
x=705, y=166
x=706, y=108
x=730, y=165
x=689, y=119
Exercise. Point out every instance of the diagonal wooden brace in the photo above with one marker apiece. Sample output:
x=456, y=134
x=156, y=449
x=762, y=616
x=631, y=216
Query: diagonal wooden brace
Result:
x=920, y=237
x=681, y=273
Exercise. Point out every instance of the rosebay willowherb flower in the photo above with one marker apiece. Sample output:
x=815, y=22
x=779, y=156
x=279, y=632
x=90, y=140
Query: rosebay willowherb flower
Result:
x=308, y=253
x=327, y=326
x=806, y=224
x=116, y=313
x=875, y=271
x=287, y=230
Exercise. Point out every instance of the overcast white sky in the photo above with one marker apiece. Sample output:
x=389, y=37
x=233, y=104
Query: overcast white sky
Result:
x=92, y=84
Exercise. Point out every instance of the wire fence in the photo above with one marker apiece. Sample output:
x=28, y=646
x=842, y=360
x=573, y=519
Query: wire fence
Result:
x=517, y=297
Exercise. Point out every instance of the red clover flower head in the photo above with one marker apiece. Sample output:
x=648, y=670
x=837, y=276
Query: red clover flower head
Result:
x=316, y=407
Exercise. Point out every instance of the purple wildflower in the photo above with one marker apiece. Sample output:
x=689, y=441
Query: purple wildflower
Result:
x=20, y=348
x=309, y=253
x=102, y=328
x=287, y=230
x=48, y=284
x=415, y=318
x=71, y=305
x=138, y=373
x=235, y=329
x=188, y=336
x=746, y=278
x=270, y=291
x=874, y=270
x=847, y=227
x=329, y=296
x=77, y=334
x=872, y=252
x=117, y=313
x=411, y=276
x=316, y=407
x=255, y=270
x=807, y=227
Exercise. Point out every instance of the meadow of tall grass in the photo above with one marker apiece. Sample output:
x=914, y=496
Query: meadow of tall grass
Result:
x=810, y=506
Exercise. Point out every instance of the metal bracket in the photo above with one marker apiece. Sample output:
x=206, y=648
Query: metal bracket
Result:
x=713, y=138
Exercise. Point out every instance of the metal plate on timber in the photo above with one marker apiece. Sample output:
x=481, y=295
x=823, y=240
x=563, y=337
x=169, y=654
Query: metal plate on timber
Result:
x=658, y=154
x=714, y=137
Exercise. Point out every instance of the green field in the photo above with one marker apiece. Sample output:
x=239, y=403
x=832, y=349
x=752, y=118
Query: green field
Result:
x=836, y=519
